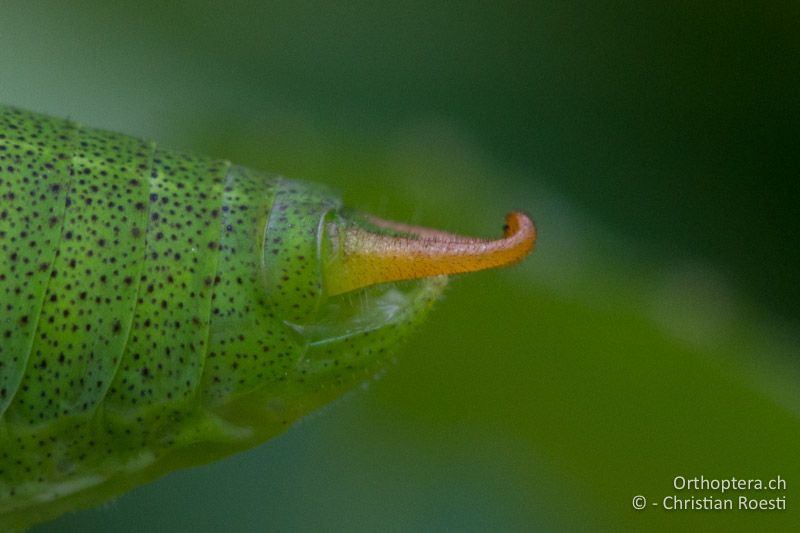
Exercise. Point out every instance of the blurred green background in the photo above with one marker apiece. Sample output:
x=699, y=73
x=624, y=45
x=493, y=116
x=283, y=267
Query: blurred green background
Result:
x=653, y=333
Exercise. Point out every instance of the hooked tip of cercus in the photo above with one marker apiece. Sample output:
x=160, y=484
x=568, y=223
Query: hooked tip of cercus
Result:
x=361, y=258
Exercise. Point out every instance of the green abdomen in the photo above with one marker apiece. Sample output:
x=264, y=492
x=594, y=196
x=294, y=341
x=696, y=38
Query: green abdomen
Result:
x=161, y=310
x=131, y=298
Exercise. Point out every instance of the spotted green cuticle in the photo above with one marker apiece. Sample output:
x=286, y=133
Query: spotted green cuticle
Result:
x=291, y=247
x=35, y=168
x=166, y=347
x=161, y=310
x=247, y=345
x=83, y=326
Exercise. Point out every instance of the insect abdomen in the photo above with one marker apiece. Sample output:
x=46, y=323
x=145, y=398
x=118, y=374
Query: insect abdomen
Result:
x=163, y=360
x=125, y=312
x=34, y=178
x=109, y=268
x=91, y=285
x=162, y=310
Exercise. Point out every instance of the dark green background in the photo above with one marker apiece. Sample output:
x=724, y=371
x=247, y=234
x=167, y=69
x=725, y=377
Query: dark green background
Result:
x=652, y=334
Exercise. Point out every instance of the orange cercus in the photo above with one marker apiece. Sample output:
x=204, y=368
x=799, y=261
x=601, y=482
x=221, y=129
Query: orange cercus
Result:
x=360, y=258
